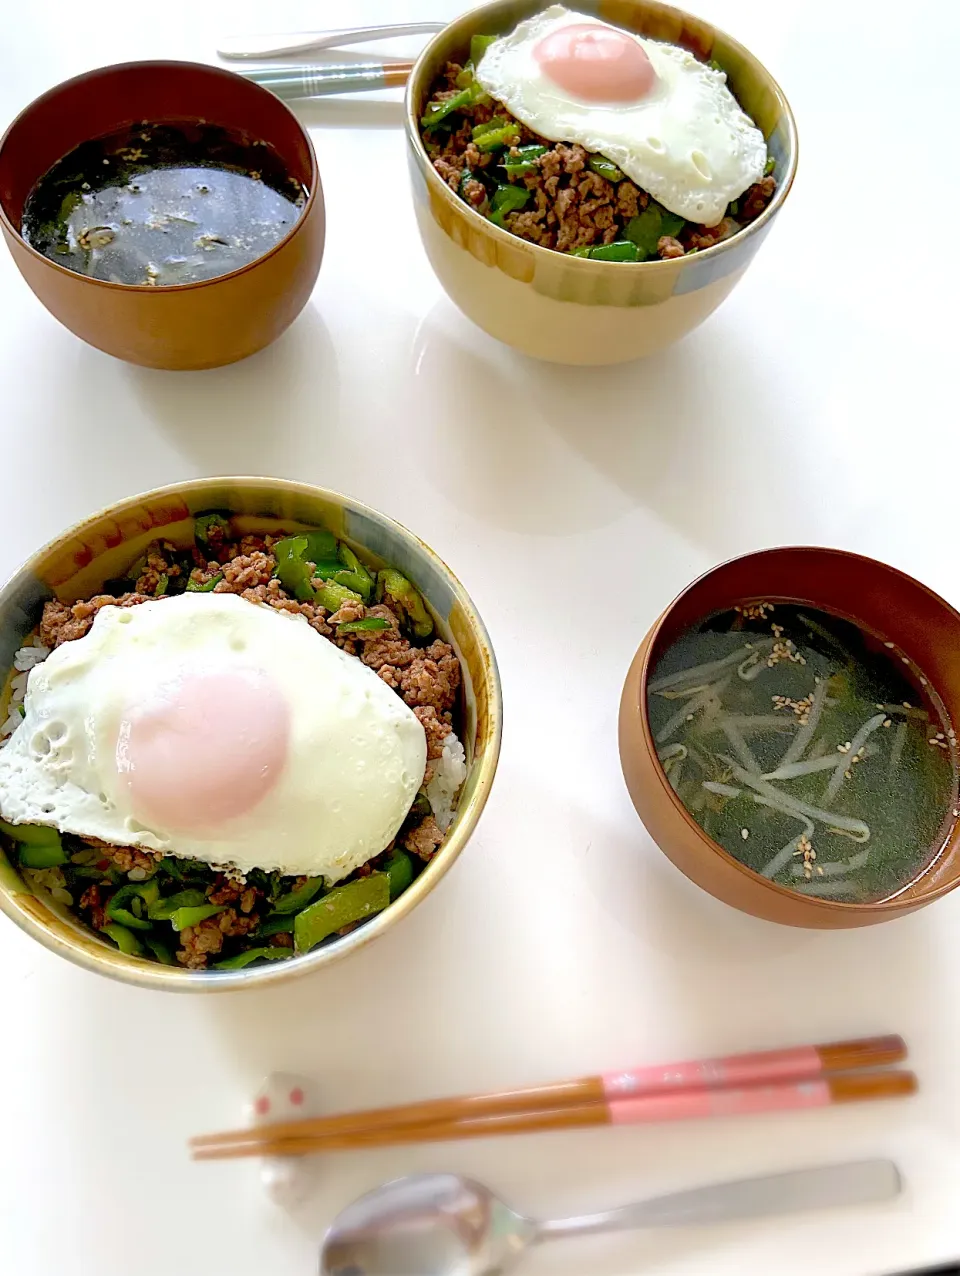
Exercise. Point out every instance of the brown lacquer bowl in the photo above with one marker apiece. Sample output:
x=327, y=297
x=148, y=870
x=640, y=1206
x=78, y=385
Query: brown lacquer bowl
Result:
x=198, y=325
x=876, y=596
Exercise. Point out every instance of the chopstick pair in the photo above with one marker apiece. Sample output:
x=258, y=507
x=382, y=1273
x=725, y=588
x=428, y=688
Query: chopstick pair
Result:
x=771, y=1081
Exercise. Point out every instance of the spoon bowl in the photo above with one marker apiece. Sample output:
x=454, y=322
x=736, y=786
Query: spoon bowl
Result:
x=426, y=1225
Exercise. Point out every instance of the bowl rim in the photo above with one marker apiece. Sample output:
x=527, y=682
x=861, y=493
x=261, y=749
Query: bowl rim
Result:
x=155, y=975
x=892, y=905
x=314, y=194
x=439, y=186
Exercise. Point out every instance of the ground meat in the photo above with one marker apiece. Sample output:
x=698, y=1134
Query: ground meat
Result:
x=388, y=647
x=424, y=839
x=205, y=574
x=126, y=857
x=63, y=622
x=199, y=942
x=701, y=237
x=246, y=571
x=223, y=891
x=161, y=562
x=349, y=611
x=757, y=198
x=570, y=206
x=431, y=679
x=232, y=925
x=281, y=940
x=90, y=901
x=436, y=728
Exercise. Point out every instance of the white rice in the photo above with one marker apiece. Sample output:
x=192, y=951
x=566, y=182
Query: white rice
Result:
x=33, y=653
x=449, y=772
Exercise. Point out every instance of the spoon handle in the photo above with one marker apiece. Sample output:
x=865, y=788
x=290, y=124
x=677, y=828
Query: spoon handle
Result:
x=854, y=1183
x=274, y=46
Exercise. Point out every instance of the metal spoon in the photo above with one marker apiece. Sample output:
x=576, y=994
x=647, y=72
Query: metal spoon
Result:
x=445, y=1225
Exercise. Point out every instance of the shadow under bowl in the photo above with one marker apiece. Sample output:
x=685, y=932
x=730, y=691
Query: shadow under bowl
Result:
x=569, y=309
x=76, y=564
x=188, y=326
x=879, y=598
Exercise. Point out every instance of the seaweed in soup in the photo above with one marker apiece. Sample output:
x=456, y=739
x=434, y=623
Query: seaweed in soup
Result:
x=810, y=749
x=163, y=204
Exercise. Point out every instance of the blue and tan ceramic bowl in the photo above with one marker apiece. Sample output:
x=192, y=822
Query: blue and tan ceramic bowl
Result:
x=75, y=565
x=568, y=309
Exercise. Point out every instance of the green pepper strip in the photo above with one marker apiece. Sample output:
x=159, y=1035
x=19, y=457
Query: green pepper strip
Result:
x=369, y=624
x=507, y=199
x=333, y=596
x=240, y=960
x=160, y=950
x=275, y=924
x=395, y=586
x=117, y=908
x=10, y=879
x=48, y=855
x=714, y=65
x=203, y=523
x=488, y=126
x=355, y=568
x=193, y=587
x=292, y=570
x=163, y=909
x=294, y=900
x=321, y=546
x=647, y=229
x=605, y=168
x=124, y=939
x=352, y=902
x=437, y=112
x=30, y=834
x=770, y=165
x=185, y=917
x=478, y=47
x=525, y=160
x=163, y=582
x=399, y=868
x=508, y=135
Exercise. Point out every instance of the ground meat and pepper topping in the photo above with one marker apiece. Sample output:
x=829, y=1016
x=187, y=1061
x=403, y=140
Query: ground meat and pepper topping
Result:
x=224, y=919
x=554, y=194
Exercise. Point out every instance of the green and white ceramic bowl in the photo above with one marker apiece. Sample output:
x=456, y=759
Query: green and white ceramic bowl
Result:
x=571, y=309
x=77, y=563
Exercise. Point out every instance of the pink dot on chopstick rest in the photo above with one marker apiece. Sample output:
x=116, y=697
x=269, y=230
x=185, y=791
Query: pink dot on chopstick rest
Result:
x=262, y=1105
x=296, y=1097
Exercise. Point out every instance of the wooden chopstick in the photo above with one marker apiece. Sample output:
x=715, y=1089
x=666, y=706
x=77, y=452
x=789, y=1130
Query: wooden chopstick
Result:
x=657, y=1107
x=792, y=1064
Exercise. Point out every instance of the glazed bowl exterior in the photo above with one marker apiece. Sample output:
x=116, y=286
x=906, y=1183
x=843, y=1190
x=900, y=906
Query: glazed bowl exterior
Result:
x=74, y=566
x=199, y=325
x=570, y=309
x=860, y=589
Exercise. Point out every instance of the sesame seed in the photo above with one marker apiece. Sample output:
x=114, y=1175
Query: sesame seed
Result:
x=888, y=644
x=744, y=833
x=905, y=660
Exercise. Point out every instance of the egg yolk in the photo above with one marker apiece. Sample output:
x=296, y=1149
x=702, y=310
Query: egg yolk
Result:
x=204, y=749
x=596, y=64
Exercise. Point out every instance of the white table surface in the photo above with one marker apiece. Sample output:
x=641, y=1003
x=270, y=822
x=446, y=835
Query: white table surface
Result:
x=818, y=405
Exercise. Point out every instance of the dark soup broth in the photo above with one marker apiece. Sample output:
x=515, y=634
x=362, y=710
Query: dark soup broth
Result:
x=810, y=749
x=162, y=204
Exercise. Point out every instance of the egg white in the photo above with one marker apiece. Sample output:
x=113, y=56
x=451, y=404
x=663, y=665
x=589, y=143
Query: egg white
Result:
x=688, y=142
x=355, y=760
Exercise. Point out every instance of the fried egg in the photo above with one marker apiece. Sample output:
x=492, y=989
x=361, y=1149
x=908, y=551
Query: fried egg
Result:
x=217, y=729
x=668, y=121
